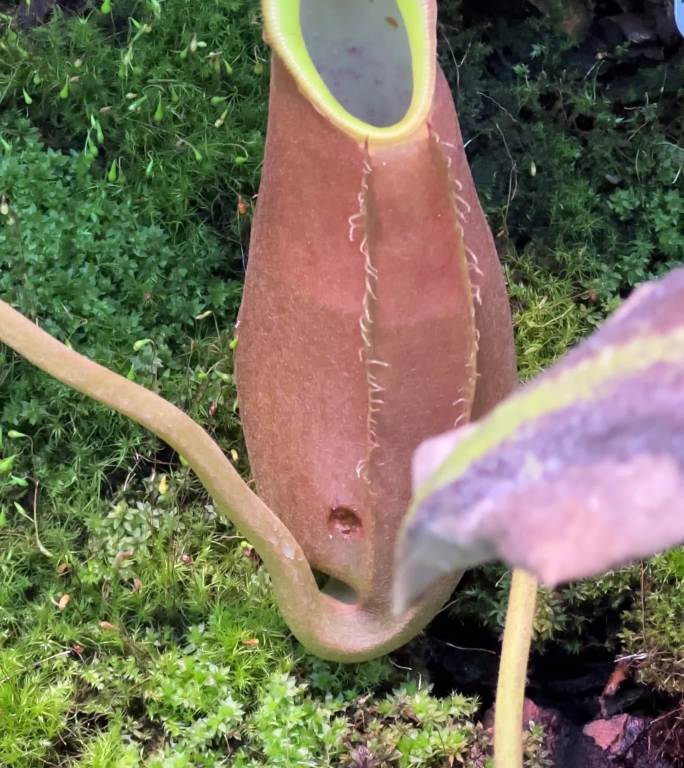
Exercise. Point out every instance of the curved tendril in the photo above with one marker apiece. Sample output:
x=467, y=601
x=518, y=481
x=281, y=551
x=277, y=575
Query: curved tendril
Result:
x=328, y=627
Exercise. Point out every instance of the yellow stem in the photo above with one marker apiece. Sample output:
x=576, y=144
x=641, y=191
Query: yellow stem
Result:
x=510, y=692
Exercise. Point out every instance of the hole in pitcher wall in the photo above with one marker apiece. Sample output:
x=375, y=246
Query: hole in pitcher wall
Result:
x=344, y=521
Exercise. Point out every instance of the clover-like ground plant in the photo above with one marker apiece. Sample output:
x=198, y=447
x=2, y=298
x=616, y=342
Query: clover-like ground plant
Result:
x=578, y=472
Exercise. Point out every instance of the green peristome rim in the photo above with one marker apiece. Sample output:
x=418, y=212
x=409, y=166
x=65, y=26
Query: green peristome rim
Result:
x=284, y=34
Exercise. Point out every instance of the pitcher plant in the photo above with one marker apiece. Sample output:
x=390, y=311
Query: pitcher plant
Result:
x=374, y=315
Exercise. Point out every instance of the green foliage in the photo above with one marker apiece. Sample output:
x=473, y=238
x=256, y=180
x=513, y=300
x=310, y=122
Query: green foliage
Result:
x=166, y=99
x=654, y=628
x=181, y=623
x=109, y=750
x=193, y=699
x=551, y=310
x=33, y=706
x=291, y=728
x=120, y=241
x=432, y=737
x=172, y=648
x=82, y=259
x=579, y=155
x=574, y=619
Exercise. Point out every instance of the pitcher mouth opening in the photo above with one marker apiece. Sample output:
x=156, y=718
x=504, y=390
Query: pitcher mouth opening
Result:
x=367, y=65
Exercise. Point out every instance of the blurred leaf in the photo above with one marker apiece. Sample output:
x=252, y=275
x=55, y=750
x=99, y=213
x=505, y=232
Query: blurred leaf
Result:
x=576, y=473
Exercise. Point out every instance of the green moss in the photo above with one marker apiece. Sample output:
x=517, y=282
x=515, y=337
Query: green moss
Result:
x=109, y=749
x=170, y=651
x=34, y=703
x=167, y=99
x=144, y=625
x=572, y=155
x=80, y=256
x=654, y=627
x=552, y=308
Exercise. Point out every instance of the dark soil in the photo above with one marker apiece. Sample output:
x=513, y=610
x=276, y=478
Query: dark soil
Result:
x=594, y=713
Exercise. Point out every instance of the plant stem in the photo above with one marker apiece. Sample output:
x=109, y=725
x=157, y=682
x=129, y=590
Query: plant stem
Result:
x=328, y=627
x=510, y=692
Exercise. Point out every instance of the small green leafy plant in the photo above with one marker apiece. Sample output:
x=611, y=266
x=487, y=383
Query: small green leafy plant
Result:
x=578, y=159
x=75, y=249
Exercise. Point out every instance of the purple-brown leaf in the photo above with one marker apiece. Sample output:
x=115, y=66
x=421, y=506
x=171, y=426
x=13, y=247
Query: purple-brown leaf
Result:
x=579, y=472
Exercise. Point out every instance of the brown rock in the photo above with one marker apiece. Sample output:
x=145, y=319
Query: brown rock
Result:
x=606, y=733
x=615, y=735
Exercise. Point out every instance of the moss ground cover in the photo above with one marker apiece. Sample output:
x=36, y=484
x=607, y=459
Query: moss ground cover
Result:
x=136, y=628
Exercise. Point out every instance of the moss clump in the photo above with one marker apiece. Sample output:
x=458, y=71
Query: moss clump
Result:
x=654, y=628
x=167, y=99
x=78, y=255
x=150, y=637
x=552, y=308
x=575, y=150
